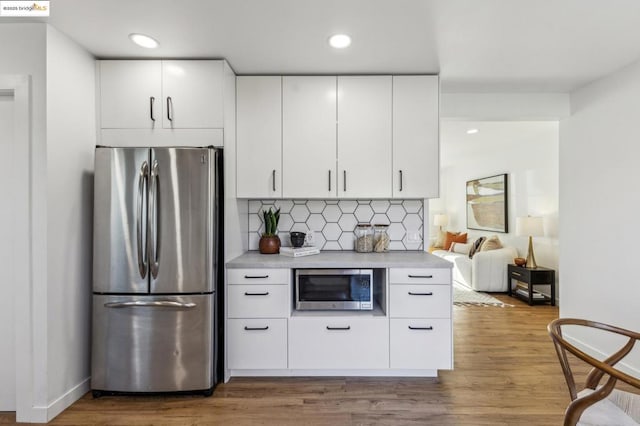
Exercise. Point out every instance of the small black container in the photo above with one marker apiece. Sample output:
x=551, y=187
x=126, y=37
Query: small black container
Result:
x=297, y=238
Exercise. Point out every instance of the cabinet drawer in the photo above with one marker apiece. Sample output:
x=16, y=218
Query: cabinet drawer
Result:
x=257, y=344
x=258, y=276
x=420, y=276
x=258, y=301
x=421, y=344
x=420, y=301
x=339, y=343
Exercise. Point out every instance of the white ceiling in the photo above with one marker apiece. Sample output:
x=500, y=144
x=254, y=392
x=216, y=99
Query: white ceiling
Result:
x=476, y=45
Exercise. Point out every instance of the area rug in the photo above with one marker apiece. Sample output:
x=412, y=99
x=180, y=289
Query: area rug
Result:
x=464, y=296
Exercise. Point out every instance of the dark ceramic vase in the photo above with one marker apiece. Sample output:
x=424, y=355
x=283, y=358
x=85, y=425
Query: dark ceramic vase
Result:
x=269, y=244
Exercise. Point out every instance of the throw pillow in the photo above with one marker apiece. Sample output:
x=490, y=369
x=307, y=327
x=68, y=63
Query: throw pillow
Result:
x=491, y=243
x=460, y=248
x=439, y=240
x=453, y=238
x=476, y=246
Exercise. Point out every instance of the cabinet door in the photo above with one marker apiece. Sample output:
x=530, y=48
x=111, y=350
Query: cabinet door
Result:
x=192, y=94
x=257, y=343
x=339, y=343
x=130, y=94
x=259, y=136
x=258, y=301
x=364, y=136
x=420, y=343
x=309, y=137
x=416, y=157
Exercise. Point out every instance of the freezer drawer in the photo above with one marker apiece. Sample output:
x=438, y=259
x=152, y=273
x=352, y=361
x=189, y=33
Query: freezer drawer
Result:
x=153, y=343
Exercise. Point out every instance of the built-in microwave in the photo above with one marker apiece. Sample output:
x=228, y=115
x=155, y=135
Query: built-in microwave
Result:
x=334, y=289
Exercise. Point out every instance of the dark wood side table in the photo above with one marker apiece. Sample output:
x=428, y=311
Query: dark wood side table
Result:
x=528, y=279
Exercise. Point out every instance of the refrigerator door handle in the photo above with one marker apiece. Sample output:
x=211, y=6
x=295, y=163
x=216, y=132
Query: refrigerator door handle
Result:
x=152, y=221
x=142, y=177
x=153, y=304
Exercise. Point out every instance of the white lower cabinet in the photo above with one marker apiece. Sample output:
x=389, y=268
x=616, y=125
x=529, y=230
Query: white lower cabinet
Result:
x=420, y=308
x=415, y=301
x=338, y=343
x=411, y=334
x=420, y=343
x=257, y=344
x=258, y=301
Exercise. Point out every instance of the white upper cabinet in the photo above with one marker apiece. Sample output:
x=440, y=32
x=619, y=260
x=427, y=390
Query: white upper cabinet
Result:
x=416, y=165
x=364, y=136
x=259, y=136
x=193, y=94
x=131, y=94
x=309, y=137
x=140, y=94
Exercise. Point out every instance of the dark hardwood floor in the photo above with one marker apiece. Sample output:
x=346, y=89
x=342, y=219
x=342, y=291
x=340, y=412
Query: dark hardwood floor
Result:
x=506, y=373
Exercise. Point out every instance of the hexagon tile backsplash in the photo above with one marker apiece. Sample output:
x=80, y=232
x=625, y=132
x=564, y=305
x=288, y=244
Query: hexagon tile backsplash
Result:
x=333, y=221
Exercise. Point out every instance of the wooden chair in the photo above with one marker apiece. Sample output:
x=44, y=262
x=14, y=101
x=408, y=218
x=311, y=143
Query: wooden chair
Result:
x=595, y=404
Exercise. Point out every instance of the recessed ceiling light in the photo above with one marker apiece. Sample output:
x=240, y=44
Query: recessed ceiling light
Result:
x=339, y=41
x=472, y=131
x=144, y=41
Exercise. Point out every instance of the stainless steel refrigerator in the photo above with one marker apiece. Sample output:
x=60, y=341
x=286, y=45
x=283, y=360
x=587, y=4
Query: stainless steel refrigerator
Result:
x=157, y=254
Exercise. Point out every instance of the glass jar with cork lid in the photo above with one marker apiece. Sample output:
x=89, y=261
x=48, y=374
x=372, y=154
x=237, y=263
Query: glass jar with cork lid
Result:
x=380, y=238
x=364, y=238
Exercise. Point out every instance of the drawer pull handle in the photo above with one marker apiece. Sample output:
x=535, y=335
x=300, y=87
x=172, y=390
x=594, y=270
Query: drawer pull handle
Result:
x=420, y=328
x=420, y=276
x=516, y=274
x=249, y=277
x=266, y=327
x=339, y=328
x=430, y=293
x=246, y=293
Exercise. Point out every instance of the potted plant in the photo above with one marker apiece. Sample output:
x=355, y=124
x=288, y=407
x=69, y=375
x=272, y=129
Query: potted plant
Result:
x=270, y=242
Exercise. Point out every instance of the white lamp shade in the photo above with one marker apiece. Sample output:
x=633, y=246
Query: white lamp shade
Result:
x=529, y=226
x=440, y=220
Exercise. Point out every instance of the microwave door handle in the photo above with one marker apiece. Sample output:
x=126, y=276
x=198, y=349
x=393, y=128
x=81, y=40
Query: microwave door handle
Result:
x=143, y=178
x=152, y=221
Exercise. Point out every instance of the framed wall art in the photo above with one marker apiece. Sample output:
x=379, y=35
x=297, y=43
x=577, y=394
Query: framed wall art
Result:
x=487, y=204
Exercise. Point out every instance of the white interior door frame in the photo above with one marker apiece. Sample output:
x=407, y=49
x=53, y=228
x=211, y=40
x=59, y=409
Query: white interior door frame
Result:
x=22, y=242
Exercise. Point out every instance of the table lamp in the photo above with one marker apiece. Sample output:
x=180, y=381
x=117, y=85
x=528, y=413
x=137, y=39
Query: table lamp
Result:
x=440, y=220
x=530, y=226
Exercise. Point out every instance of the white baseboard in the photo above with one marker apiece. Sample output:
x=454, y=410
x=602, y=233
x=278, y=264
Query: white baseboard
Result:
x=44, y=414
x=623, y=366
x=71, y=396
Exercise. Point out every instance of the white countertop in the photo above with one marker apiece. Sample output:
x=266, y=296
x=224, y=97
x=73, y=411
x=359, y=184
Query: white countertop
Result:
x=341, y=259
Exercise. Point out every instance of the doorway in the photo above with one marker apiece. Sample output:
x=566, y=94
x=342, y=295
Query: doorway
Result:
x=7, y=316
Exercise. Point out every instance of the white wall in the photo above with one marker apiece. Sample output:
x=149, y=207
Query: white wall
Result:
x=528, y=152
x=23, y=53
x=7, y=322
x=71, y=139
x=600, y=200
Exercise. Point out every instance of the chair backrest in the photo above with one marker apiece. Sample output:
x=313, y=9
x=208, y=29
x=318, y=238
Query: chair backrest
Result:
x=600, y=368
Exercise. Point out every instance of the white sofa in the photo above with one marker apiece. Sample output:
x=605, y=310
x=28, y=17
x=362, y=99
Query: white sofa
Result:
x=486, y=271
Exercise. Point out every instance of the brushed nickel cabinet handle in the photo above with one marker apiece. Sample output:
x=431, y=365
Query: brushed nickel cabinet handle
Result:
x=169, y=108
x=266, y=327
x=152, y=101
